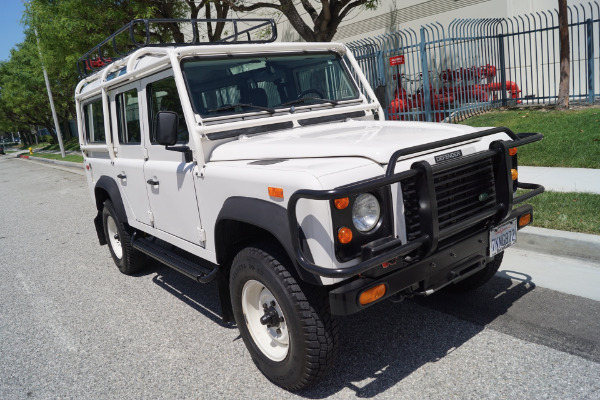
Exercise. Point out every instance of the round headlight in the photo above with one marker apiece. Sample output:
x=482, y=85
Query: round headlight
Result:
x=365, y=212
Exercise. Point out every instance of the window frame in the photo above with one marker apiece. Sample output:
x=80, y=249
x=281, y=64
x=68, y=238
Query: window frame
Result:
x=289, y=75
x=89, y=118
x=148, y=88
x=122, y=127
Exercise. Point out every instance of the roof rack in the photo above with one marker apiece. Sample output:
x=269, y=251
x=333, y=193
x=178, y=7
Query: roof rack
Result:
x=173, y=32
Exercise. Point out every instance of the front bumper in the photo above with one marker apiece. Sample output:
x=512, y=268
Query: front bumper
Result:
x=426, y=276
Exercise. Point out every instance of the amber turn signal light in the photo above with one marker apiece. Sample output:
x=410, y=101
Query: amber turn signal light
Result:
x=370, y=295
x=276, y=192
x=342, y=203
x=524, y=220
x=515, y=174
x=512, y=151
x=344, y=235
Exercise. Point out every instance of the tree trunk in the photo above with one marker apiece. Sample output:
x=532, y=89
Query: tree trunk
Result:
x=25, y=138
x=565, y=58
x=66, y=129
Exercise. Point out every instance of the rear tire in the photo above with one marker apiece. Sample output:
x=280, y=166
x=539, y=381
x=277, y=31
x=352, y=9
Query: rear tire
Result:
x=480, y=278
x=118, y=238
x=286, y=327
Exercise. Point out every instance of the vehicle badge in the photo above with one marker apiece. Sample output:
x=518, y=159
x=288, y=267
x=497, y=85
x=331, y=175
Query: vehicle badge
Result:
x=483, y=196
x=448, y=156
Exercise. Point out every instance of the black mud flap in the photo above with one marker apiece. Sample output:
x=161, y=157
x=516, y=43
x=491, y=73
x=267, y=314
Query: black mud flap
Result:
x=100, y=229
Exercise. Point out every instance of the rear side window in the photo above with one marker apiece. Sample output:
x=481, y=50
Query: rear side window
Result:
x=128, y=117
x=163, y=96
x=94, y=122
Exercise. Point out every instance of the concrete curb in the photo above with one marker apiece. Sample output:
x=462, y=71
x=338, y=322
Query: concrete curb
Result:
x=560, y=243
x=47, y=160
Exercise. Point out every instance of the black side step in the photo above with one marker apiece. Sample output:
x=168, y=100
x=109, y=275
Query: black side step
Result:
x=173, y=260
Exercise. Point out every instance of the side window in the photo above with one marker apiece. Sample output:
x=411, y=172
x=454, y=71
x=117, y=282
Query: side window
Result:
x=128, y=117
x=163, y=96
x=94, y=122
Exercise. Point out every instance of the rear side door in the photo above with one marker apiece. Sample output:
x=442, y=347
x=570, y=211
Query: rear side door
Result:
x=168, y=177
x=129, y=149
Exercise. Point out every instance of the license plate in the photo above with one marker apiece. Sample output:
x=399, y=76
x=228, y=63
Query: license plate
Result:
x=502, y=237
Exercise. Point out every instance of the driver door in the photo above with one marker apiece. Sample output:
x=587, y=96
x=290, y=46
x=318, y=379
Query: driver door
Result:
x=168, y=177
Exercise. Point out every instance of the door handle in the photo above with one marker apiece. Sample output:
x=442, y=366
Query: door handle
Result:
x=152, y=182
x=121, y=176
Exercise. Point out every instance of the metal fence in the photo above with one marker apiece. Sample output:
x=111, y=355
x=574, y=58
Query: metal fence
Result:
x=473, y=65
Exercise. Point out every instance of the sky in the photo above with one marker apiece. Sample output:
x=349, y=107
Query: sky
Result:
x=11, y=30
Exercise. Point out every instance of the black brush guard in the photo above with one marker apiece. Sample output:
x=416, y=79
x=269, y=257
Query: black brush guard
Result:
x=431, y=234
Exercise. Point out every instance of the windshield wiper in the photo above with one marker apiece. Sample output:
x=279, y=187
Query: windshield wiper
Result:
x=236, y=105
x=303, y=99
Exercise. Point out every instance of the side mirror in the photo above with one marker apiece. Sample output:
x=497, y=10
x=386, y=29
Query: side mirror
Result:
x=167, y=125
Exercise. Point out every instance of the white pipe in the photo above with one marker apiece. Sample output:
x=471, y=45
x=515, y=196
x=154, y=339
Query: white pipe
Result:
x=54, y=117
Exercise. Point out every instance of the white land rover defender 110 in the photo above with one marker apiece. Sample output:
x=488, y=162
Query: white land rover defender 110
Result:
x=268, y=167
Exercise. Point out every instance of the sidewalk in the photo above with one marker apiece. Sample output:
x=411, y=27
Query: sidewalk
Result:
x=563, y=179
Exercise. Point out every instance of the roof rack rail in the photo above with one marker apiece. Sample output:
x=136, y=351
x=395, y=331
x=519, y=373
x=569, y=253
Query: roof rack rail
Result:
x=173, y=32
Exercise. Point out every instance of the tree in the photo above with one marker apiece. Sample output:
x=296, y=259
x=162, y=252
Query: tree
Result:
x=67, y=29
x=565, y=58
x=324, y=23
x=23, y=103
x=221, y=9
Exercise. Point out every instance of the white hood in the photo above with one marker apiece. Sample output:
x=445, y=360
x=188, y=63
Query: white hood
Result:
x=376, y=140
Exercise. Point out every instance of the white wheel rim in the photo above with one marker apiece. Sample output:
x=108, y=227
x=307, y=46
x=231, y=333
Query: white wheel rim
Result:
x=113, y=237
x=273, y=341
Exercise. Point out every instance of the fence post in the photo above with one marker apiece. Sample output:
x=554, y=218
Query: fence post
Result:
x=425, y=72
x=590, y=59
x=502, y=69
x=381, y=81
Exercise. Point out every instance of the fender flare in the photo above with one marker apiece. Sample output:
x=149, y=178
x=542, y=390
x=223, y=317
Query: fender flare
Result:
x=109, y=185
x=272, y=218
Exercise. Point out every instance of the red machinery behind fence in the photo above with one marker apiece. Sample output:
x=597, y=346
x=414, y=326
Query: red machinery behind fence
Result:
x=456, y=89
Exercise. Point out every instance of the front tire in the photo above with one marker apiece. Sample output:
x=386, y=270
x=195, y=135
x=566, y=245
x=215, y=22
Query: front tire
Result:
x=118, y=238
x=286, y=327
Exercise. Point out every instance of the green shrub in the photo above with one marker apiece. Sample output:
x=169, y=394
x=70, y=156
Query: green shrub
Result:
x=48, y=139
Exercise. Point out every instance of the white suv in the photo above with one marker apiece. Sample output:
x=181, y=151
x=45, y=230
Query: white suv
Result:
x=268, y=167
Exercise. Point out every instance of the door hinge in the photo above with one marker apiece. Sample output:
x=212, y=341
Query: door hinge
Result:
x=201, y=235
x=200, y=172
x=151, y=216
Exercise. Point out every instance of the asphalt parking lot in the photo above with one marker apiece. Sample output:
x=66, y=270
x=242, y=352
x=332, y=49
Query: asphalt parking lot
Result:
x=72, y=326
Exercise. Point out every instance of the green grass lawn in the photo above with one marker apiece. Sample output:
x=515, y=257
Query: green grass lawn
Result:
x=71, y=144
x=575, y=212
x=78, y=158
x=571, y=138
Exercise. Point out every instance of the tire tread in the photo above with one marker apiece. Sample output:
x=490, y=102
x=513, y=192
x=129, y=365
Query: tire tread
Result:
x=132, y=261
x=312, y=306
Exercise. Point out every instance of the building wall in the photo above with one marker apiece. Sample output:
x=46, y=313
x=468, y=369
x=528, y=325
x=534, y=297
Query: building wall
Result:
x=392, y=15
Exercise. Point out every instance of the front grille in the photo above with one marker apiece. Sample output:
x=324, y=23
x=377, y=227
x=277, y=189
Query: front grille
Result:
x=411, y=208
x=461, y=192
x=464, y=191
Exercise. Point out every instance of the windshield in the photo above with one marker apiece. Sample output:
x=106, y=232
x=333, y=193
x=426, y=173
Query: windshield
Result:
x=235, y=85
